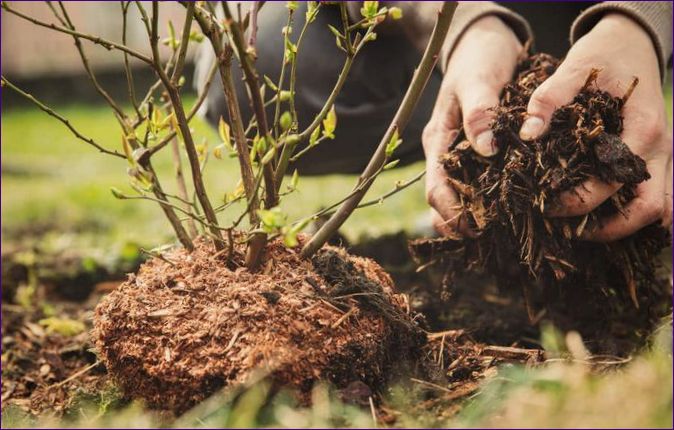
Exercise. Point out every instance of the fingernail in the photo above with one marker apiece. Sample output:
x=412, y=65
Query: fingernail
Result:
x=532, y=128
x=485, y=145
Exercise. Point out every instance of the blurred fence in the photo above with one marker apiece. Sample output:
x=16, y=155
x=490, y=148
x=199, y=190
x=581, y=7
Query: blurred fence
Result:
x=47, y=63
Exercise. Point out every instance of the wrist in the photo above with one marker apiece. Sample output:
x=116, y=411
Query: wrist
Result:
x=491, y=25
x=624, y=27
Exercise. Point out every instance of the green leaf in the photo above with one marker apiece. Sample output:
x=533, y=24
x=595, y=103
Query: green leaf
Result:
x=290, y=234
x=290, y=46
x=173, y=42
x=272, y=219
x=338, y=42
x=391, y=165
x=269, y=155
x=127, y=150
x=117, y=193
x=270, y=83
x=294, y=180
x=286, y=120
x=238, y=192
x=336, y=32
x=259, y=145
x=292, y=140
x=290, y=239
x=167, y=121
x=284, y=95
x=330, y=123
x=393, y=143
x=313, y=139
x=197, y=37
x=369, y=9
x=63, y=326
x=395, y=13
x=223, y=131
x=312, y=11
x=217, y=151
x=292, y=5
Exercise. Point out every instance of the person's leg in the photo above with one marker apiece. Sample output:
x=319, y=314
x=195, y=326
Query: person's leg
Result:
x=369, y=99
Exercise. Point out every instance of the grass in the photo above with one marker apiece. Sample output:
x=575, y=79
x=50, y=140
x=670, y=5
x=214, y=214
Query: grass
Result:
x=564, y=393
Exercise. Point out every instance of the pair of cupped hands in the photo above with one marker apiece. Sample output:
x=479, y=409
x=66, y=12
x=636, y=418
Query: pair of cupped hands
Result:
x=484, y=61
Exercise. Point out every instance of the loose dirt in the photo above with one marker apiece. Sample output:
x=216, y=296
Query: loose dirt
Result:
x=505, y=200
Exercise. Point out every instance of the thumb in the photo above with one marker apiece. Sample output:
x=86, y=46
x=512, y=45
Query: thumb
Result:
x=558, y=90
x=477, y=111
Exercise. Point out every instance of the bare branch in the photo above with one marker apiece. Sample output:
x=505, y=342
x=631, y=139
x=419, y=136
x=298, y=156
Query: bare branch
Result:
x=254, y=9
x=252, y=81
x=167, y=207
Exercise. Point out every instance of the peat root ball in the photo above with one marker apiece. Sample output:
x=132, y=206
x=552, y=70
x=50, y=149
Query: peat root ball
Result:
x=505, y=198
x=187, y=325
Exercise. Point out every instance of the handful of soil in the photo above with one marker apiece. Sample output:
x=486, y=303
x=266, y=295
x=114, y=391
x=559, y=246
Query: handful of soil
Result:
x=504, y=198
x=189, y=324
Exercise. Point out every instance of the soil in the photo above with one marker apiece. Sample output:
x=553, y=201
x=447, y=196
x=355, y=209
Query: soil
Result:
x=505, y=198
x=446, y=381
x=43, y=371
x=188, y=324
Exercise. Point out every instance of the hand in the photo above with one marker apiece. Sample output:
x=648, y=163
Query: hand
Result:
x=622, y=49
x=482, y=63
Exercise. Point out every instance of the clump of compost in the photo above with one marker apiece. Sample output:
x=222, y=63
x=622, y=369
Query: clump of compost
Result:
x=190, y=323
x=504, y=199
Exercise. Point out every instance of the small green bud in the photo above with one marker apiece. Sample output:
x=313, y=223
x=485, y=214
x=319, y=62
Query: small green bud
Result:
x=117, y=193
x=286, y=120
x=391, y=165
x=292, y=140
x=395, y=13
x=284, y=95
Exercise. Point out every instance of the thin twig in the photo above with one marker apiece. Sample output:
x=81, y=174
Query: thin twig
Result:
x=180, y=62
x=76, y=375
x=181, y=119
x=121, y=116
x=131, y=88
x=182, y=187
x=66, y=122
x=193, y=111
